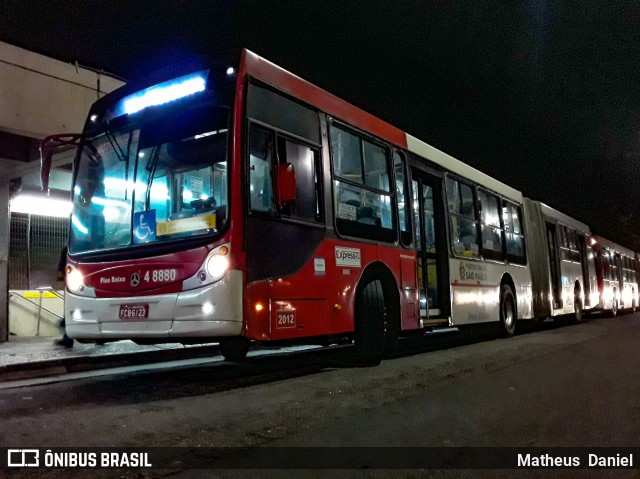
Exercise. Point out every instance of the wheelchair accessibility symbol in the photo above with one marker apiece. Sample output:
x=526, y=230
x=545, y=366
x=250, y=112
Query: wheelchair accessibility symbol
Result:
x=144, y=226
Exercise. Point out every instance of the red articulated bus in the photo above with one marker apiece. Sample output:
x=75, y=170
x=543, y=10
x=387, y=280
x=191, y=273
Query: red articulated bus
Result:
x=239, y=203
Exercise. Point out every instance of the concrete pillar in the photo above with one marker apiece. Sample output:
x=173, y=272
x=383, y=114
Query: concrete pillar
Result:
x=4, y=259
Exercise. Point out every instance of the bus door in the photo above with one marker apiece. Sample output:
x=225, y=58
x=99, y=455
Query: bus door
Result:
x=554, y=265
x=618, y=275
x=584, y=260
x=431, y=248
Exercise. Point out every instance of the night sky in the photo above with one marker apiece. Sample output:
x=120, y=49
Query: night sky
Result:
x=543, y=95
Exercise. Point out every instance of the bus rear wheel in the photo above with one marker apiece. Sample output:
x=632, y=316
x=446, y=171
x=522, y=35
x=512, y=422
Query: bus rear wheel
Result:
x=235, y=348
x=507, y=311
x=370, y=324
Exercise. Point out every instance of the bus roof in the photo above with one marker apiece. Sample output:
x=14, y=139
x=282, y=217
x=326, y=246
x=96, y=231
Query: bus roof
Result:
x=564, y=219
x=266, y=71
x=614, y=246
x=431, y=153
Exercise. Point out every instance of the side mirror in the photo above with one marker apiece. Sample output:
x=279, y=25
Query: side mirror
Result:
x=286, y=184
x=47, y=147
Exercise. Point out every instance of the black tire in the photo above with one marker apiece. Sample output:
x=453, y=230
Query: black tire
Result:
x=234, y=348
x=370, y=317
x=578, y=310
x=508, y=312
x=391, y=328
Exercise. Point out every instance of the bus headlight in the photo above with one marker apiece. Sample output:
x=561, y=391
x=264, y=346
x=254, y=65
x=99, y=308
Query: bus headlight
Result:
x=75, y=280
x=217, y=266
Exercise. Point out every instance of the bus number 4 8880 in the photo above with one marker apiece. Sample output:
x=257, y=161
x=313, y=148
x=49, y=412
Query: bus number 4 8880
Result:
x=161, y=275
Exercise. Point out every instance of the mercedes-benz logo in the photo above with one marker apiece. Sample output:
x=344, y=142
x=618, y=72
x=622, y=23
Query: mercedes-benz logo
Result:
x=135, y=279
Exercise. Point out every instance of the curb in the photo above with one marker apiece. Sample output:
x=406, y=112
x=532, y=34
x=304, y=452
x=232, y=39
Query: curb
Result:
x=50, y=367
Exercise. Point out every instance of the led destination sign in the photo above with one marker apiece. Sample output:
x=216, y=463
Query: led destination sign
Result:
x=162, y=93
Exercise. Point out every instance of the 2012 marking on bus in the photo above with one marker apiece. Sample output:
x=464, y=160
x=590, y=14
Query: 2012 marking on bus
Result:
x=285, y=318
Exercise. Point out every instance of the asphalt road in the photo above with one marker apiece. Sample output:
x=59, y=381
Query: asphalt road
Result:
x=571, y=386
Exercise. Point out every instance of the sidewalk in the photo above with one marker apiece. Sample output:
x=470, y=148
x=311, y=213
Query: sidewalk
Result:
x=31, y=357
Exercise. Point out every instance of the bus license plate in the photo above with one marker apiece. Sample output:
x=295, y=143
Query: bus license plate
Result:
x=134, y=311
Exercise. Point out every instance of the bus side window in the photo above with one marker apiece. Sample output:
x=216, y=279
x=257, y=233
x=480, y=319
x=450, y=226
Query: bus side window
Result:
x=606, y=264
x=492, y=242
x=260, y=169
x=516, y=252
x=262, y=162
x=463, y=221
x=402, y=198
x=304, y=159
x=362, y=190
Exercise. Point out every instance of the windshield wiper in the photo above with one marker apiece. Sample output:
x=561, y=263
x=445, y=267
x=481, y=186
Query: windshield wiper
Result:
x=114, y=142
x=151, y=168
x=118, y=151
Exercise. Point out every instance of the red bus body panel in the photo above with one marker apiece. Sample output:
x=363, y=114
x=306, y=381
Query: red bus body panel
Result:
x=322, y=303
x=295, y=86
x=310, y=303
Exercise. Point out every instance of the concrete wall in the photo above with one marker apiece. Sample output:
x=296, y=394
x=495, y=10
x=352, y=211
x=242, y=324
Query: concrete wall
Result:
x=4, y=258
x=40, y=96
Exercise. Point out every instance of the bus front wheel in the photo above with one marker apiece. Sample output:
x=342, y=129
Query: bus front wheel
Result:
x=235, y=348
x=578, y=310
x=370, y=324
x=507, y=311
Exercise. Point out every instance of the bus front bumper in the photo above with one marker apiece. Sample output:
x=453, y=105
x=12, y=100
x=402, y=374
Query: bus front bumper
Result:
x=212, y=311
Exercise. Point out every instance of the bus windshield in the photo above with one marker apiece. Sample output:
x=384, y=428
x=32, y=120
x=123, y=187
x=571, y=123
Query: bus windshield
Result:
x=151, y=181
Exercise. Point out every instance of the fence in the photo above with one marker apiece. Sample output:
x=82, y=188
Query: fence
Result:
x=35, y=244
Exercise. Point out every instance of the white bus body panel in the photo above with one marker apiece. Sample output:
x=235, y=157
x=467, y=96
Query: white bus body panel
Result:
x=570, y=271
x=176, y=315
x=475, y=290
x=537, y=216
x=453, y=165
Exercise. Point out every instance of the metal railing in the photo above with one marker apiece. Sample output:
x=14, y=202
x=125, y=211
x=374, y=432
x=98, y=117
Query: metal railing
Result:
x=41, y=291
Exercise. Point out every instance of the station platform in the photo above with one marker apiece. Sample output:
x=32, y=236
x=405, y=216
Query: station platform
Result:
x=35, y=357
